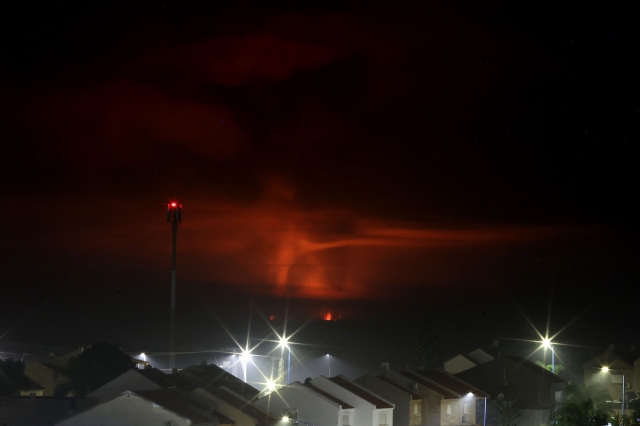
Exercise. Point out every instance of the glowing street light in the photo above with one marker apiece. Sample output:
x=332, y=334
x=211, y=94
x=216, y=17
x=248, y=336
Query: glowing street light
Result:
x=608, y=370
x=329, y=357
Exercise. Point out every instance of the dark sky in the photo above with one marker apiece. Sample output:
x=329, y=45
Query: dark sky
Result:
x=383, y=161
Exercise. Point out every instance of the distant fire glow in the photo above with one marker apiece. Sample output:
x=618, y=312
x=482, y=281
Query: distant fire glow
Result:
x=328, y=316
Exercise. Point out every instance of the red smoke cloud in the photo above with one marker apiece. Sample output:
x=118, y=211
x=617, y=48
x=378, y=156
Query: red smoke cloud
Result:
x=240, y=60
x=129, y=122
x=275, y=246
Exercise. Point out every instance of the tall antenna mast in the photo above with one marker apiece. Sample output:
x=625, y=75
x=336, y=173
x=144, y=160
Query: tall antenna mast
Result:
x=174, y=216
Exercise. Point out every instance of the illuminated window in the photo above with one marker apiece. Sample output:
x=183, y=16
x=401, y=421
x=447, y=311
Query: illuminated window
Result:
x=417, y=410
x=449, y=409
x=345, y=420
x=558, y=396
x=382, y=419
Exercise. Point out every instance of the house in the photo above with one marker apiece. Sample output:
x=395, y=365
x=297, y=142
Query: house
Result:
x=533, y=389
x=307, y=403
x=233, y=405
x=213, y=377
x=369, y=409
x=469, y=406
x=140, y=380
x=620, y=367
x=432, y=395
x=48, y=375
x=448, y=400
x=162, y=407
x=408, y=403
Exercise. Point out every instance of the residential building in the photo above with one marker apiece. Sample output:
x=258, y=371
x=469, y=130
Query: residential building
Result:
x=619, y=366
x=369, y=409
x=531, y=388
x=161, y=407
x=233, y=405
x=48, y=375
x=213, y=377
x=407, y=402
x=139, y=380
x=433, y=395
x=448, y=400
x=307, y=403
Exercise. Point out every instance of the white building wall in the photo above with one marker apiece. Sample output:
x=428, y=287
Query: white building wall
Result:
x=363, y=410
x=382, y=417
x=401, y=399
x=126, y=410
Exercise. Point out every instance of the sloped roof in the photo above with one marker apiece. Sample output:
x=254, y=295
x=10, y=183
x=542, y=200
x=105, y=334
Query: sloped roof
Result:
x=451, y=382
x=184, y=405
x=361, y=392
x=537, y=369
x=327, y=395
x=608, y=358
x=446, y=394
x=167, y=381
x=530, y=387
x=414, y=395
x=262, y=417
x=212, y=377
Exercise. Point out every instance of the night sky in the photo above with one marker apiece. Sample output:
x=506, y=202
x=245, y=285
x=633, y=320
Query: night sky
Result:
x=472, y=162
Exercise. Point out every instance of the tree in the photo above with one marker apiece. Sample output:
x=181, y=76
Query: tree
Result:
x=12, y=378
x=584, y=406
x=558, y=368
x=427, y=348
x=97, y=365
x=503, y=412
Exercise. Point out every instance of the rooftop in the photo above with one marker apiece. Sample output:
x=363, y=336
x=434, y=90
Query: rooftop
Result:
x=361, y=392
x=451, y=382
x=240, y=403
x=184, y=405
x=327, y=395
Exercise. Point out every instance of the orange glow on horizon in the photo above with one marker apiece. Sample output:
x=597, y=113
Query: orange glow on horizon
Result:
x=328, y=316
x=278, y=247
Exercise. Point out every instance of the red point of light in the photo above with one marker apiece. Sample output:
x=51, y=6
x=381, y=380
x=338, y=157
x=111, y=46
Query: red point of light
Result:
x=173, y=204
x=328, y=316
x=272, y=317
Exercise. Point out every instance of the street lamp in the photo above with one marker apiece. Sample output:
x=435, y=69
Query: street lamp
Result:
x=607, y=369
x=329, y=357
x=546, y=342
x=284, y=343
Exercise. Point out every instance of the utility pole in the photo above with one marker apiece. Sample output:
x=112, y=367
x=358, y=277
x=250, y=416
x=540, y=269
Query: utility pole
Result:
x=174, y=216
